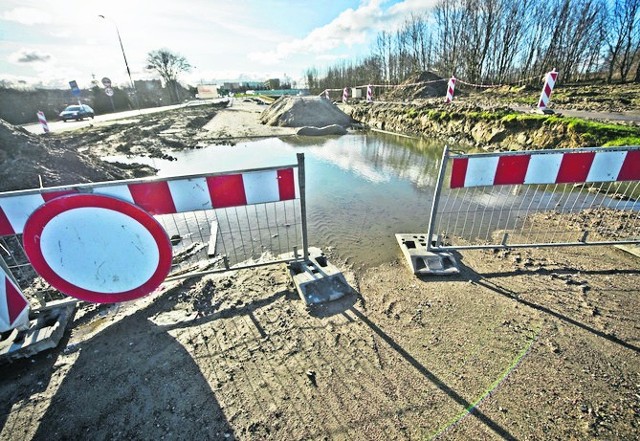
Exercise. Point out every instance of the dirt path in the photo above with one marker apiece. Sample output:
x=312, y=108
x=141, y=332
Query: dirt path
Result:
x=240, y=120
x=536, y=344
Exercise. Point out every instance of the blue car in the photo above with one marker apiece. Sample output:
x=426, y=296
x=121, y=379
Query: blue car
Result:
x=77, y=112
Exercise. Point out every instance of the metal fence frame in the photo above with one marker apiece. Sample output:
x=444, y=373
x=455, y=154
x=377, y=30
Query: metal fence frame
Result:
x=437, y=238
x=17, y=265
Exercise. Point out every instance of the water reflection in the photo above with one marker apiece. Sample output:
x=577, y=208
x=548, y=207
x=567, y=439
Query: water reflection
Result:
x=361, y=188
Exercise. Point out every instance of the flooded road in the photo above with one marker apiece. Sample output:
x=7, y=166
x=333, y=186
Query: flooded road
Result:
x=361, y=188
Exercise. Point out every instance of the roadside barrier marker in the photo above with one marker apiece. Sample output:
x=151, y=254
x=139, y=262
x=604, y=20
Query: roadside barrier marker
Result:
x=14, y=307
x=451, y=86
x=345, y=94
x=369, y=93
x=545, y=96
x=43, y=121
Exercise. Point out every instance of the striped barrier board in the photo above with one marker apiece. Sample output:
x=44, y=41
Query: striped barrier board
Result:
x=543, y=167
x=174, y=195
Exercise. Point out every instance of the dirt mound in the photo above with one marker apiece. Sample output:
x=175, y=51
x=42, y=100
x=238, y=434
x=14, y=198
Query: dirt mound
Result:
x=303, y=111
x=421, y=85
x=24, y=157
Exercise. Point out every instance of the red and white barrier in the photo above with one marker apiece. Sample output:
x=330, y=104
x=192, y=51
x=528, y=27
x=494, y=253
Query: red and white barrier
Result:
x=43, y=122
x=369, y=93
x=549, y=83
x=14, y=307
x=345, y=94
x=167, y=196
x=451, y=87
x=543, y=167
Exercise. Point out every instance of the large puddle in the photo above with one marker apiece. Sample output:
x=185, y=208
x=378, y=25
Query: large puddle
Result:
x=361, y=188
x=364, y=188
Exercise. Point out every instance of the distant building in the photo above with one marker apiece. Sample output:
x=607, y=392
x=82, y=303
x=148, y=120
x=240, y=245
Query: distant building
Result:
x=207, y=91
x=231, y=86
x=273, y=83
x=255, y=85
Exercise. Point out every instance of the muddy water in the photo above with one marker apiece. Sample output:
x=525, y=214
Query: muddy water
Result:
x=361, y=188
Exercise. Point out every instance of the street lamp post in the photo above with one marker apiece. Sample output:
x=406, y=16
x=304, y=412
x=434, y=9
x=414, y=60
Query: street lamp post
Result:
x=133, y=85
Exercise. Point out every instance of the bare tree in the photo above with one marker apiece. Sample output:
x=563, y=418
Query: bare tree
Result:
x=168, y=65
x=623, y=36
x=506, y=40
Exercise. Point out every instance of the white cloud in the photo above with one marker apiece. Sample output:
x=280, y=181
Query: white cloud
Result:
x=27, y=16
x=351, y=27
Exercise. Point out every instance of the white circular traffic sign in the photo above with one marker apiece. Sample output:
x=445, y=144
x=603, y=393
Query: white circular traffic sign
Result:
x=97, y=248
x=106, y=82
x=108, y=91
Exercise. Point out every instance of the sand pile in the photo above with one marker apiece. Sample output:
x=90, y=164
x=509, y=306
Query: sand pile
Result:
x=304, y=111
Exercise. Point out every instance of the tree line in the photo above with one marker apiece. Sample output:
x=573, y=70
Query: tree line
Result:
x=500, y=42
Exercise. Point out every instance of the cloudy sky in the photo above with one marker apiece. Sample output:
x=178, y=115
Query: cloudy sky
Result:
x=49, y=43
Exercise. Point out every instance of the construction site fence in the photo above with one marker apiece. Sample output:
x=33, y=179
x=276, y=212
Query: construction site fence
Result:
x=430, y=82
x=265, y=226
x=571, y=197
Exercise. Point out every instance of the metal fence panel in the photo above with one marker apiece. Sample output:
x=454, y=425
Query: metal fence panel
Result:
x=215, y=222
x=587, y=196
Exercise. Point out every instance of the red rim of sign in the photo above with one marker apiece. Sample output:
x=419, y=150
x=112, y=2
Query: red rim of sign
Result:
x=44, y=214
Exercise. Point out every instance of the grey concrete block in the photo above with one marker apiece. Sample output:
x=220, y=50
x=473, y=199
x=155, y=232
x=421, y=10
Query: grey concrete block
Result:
x=45, y=332
x=423, y=262
x=317, y=280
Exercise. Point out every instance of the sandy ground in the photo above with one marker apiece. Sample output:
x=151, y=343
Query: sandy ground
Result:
x=241, y=120
x=535, y=344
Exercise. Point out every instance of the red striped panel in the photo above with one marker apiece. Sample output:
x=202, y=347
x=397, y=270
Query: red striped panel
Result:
x=554, y=75
x=15, y=301
x=153, y=197
x=227, y=191
x=511, y=169
x=575, y=167
x=630, y=170
x=54, y=194
x=5, y=226
x=459, y=172
x=547, y=89
x=286, y=184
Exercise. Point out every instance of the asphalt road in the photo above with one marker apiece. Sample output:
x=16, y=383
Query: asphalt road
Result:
x=60, y=126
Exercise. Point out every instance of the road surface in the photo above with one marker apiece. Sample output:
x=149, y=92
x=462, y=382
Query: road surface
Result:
x=60, y=126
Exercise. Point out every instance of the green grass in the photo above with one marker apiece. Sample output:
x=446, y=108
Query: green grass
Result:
x=629, y=140
x=586, y=131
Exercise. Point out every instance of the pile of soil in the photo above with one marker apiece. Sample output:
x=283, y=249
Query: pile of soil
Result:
x=304, y=111
x=24, y=157
x=433, y=86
